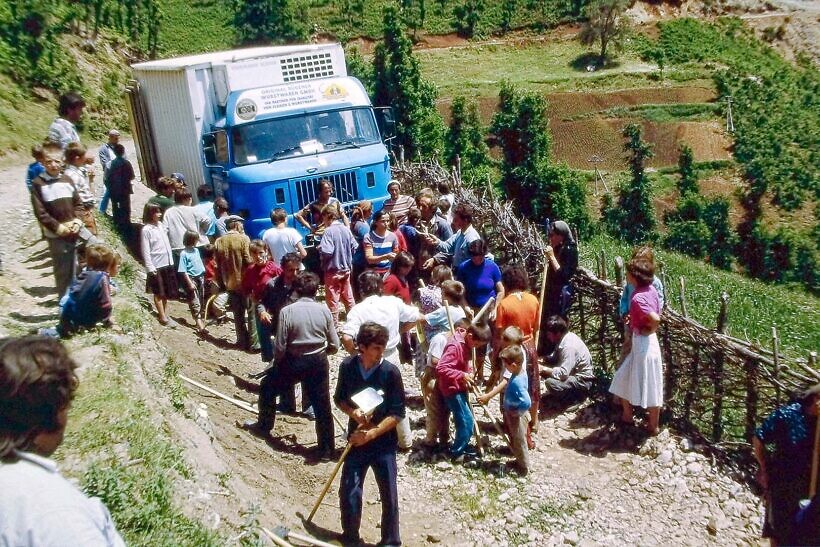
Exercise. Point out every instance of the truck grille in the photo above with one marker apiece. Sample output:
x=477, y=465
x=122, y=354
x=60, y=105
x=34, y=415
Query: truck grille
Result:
x=345, y=188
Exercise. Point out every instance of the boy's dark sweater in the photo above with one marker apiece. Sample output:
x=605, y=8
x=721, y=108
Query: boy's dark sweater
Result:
x=89, y=301
x=386, y=378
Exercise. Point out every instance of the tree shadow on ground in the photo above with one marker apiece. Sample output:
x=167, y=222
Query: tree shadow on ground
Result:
x=39, y=292
x=36, y=257
x=591, y=62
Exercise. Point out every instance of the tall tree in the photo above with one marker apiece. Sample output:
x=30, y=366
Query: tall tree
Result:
x=632, y=217
x=606, y=25
x=465, y=139
x=688, y=182
x=467, y=16
x=398, y=83
x=539, y=188
x=268, y=21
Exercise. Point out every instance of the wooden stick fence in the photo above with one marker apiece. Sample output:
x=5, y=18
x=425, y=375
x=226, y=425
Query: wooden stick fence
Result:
x=716, y=386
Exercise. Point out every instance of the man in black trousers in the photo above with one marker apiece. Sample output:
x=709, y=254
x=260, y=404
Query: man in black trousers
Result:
x=373, y=436
x=305, y=336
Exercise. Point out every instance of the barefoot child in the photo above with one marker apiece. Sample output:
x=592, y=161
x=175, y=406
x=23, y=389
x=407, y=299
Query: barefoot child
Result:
x=158, y=260
x=454, y=377
x=513, y=336
x=516, y=404
x=192, y=273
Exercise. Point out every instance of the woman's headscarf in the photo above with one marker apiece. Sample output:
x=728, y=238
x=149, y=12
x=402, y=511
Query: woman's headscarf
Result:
x=562, y=228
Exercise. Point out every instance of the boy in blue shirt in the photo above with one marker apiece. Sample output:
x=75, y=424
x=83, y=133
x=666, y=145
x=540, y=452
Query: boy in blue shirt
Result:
x=192, y=277
x=516, y=405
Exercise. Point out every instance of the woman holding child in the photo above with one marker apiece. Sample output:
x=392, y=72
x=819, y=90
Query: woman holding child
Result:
x=639, y=380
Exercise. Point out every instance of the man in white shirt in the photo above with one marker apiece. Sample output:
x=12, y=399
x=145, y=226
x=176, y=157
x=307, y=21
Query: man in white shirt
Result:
x=390, y=312
x=281, y=239
x=181, y=218
x=38, y=507
x=571, y=376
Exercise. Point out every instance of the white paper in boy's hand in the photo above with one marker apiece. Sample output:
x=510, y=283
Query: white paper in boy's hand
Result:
x=507, y=374
x=367, y=399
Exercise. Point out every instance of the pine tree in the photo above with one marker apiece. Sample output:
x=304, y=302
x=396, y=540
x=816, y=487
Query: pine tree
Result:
x=539, y=188
x=688, y=182
x=267, y=21
x=632, y=218
x=398, y=83
x=465, y=139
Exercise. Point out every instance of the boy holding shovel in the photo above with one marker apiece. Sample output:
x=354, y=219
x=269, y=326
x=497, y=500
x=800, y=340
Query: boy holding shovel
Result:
x=373, y=437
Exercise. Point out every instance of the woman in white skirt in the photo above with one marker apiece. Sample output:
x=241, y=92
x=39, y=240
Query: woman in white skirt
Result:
x=639, y=380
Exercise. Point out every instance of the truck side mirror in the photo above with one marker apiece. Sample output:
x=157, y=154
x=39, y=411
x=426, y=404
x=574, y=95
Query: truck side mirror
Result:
x=215, y=149
x=386, y=122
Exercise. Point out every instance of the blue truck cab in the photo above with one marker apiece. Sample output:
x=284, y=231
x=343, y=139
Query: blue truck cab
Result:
x=262, y=126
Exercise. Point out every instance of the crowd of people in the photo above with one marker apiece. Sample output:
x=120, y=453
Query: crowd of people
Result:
x=411, y=286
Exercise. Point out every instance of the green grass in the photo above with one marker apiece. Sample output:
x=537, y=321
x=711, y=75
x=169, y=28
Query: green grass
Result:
x=196, y=26
x=754, y=306
x=546, y=67
x=660, y=113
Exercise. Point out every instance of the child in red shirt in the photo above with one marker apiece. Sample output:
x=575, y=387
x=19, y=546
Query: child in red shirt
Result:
x=395, y=284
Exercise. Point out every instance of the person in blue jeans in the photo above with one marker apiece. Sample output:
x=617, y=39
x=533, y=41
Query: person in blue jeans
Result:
x=372, y=435
x=455, y=377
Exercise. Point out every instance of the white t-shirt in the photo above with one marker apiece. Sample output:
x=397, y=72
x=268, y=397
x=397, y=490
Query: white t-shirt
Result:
x=281, y=241
x=384, y=310
x=38, y=507
x=436, y=347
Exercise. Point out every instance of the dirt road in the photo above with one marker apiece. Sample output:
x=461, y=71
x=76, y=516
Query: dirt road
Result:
x=589, y=485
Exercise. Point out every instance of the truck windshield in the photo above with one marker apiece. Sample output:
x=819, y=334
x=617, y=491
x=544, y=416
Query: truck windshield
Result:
x=313, y=133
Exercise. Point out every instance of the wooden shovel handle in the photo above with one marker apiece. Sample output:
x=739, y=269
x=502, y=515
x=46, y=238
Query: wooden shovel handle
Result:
x=329, y=481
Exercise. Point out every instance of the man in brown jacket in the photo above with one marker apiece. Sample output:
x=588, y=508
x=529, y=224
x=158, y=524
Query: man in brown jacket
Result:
x=232, y=256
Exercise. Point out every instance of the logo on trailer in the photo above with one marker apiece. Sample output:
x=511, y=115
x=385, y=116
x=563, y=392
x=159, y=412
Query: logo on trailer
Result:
x=334, y=91
x=246, y=109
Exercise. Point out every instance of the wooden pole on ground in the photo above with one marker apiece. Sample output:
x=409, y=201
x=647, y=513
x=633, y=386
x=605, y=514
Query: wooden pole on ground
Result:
x=241, y=404
x=276, y=539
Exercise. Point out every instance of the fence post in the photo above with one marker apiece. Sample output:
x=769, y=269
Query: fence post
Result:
x=751, y=397
x=619, y=272
x=602, y=328
x=776, y=361
x=682, y=297
x=691, y=393
x=458, y=166
x=723, y=315
x=717, y=413
x=671, y=371
x=603, y=265
x=581, y=315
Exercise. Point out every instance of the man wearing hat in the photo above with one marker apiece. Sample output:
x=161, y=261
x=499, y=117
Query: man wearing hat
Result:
x=107, y=156
x=398, y=204
x=232, y=254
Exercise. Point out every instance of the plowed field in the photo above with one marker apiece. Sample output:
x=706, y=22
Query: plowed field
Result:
x=576, y=141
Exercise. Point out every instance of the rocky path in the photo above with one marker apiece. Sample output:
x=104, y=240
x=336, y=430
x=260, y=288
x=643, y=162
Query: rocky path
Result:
x=589, y=484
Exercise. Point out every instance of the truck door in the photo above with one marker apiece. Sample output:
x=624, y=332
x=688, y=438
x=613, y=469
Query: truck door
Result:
x=215, y=153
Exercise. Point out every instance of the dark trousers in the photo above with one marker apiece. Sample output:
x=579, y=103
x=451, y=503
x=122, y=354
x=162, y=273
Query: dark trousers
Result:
x=121, y=212
x=571, y=389
x=239, y=305
x=312, y=371
x=383, y=463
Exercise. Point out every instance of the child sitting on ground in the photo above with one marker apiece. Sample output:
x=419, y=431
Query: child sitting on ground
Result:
x=454, y=377
x=192, y=274
x=88, y=300
x=515, y=405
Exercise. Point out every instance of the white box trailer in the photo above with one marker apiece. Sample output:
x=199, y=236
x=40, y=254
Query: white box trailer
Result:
x=174, y=102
